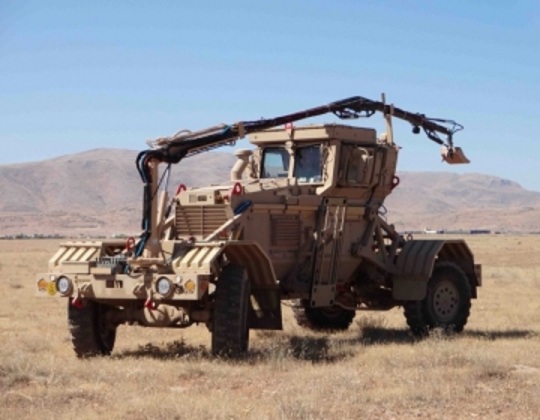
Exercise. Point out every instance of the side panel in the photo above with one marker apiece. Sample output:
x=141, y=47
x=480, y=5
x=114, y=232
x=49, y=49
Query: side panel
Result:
x=260, y=227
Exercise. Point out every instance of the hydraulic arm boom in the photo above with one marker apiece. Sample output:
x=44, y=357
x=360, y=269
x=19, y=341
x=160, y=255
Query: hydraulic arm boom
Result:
x=173, y=149
x=183, y=144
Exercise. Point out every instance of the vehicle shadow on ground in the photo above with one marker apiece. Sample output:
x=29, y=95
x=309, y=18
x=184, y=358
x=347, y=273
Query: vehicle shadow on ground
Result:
x=379, y=335
x=177, y=349
x=500, y=335
x=275, y=346
x=376, y=335
x=314, y=349
x=326, y=349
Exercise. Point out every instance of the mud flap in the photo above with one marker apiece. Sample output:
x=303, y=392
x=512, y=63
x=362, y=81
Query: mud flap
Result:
x=264, y=309
x=414, y=266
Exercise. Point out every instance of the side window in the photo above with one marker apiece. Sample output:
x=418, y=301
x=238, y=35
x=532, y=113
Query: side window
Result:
x=275, y=163
x=308, y=164
x=358, y=165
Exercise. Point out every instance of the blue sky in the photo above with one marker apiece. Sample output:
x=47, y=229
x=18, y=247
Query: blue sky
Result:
x=81, y=75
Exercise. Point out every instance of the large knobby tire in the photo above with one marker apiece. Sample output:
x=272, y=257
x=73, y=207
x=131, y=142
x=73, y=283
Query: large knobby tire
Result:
x=332, y=318
x=447, y=304
x=230, y=330
x=91, y=334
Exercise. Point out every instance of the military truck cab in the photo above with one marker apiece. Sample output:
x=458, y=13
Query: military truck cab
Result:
x=338, y=159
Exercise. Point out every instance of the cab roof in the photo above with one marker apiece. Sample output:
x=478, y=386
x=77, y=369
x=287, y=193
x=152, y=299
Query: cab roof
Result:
x=317, y=132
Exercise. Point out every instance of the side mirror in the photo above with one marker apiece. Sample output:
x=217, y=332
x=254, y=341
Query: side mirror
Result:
x=453, y=155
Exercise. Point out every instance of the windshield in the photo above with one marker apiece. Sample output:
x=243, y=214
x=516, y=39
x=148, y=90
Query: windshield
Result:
x=308, y=164
x=275, y=163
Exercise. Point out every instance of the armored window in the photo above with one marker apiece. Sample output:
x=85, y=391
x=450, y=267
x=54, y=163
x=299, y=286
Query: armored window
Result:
x=275, y=163
x=357, y=164
x=307, y=167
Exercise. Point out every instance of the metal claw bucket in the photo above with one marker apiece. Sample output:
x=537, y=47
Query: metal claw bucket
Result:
x=453, y=155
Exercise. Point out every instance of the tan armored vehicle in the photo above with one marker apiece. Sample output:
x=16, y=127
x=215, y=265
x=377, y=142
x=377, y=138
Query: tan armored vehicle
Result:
x=300, y=219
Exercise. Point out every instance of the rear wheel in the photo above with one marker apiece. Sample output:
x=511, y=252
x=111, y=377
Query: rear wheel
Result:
x=331, y=318
x=230, y=332
x=91, y=333
x=447, y=303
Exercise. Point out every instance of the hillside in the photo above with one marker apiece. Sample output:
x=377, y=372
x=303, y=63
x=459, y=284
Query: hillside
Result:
x=94, y=192
x=99, y=192
x=444, y=200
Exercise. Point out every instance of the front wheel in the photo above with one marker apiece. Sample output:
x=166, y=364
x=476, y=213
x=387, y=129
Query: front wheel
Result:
x=230, y=330
x=447, y=303
x=91, y=333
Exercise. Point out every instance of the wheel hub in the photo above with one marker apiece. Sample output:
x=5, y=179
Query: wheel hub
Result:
x=446, y=301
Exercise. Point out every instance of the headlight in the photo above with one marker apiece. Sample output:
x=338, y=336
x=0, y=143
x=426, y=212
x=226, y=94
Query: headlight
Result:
x=164, y=287
x=64, y=286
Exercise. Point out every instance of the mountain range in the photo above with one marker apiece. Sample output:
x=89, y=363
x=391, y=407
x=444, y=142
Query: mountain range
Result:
x=99, y=192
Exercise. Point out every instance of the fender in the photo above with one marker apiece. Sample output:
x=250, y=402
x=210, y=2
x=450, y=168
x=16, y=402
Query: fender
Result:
x=75, y=257
x=265, y=306
x=416, y=261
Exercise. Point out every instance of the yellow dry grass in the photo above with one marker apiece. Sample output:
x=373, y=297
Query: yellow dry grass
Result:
x=374, y=370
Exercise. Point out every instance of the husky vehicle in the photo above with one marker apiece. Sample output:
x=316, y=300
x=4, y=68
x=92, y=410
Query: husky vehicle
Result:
x=300, y=219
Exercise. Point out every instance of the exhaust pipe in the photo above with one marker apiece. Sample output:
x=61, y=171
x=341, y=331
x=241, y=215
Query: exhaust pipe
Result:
x=243, y=156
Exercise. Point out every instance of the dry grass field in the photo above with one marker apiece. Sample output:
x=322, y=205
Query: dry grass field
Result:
x=374, y=370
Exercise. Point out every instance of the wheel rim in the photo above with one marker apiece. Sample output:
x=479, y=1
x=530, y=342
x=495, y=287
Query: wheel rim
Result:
x=446, y=301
